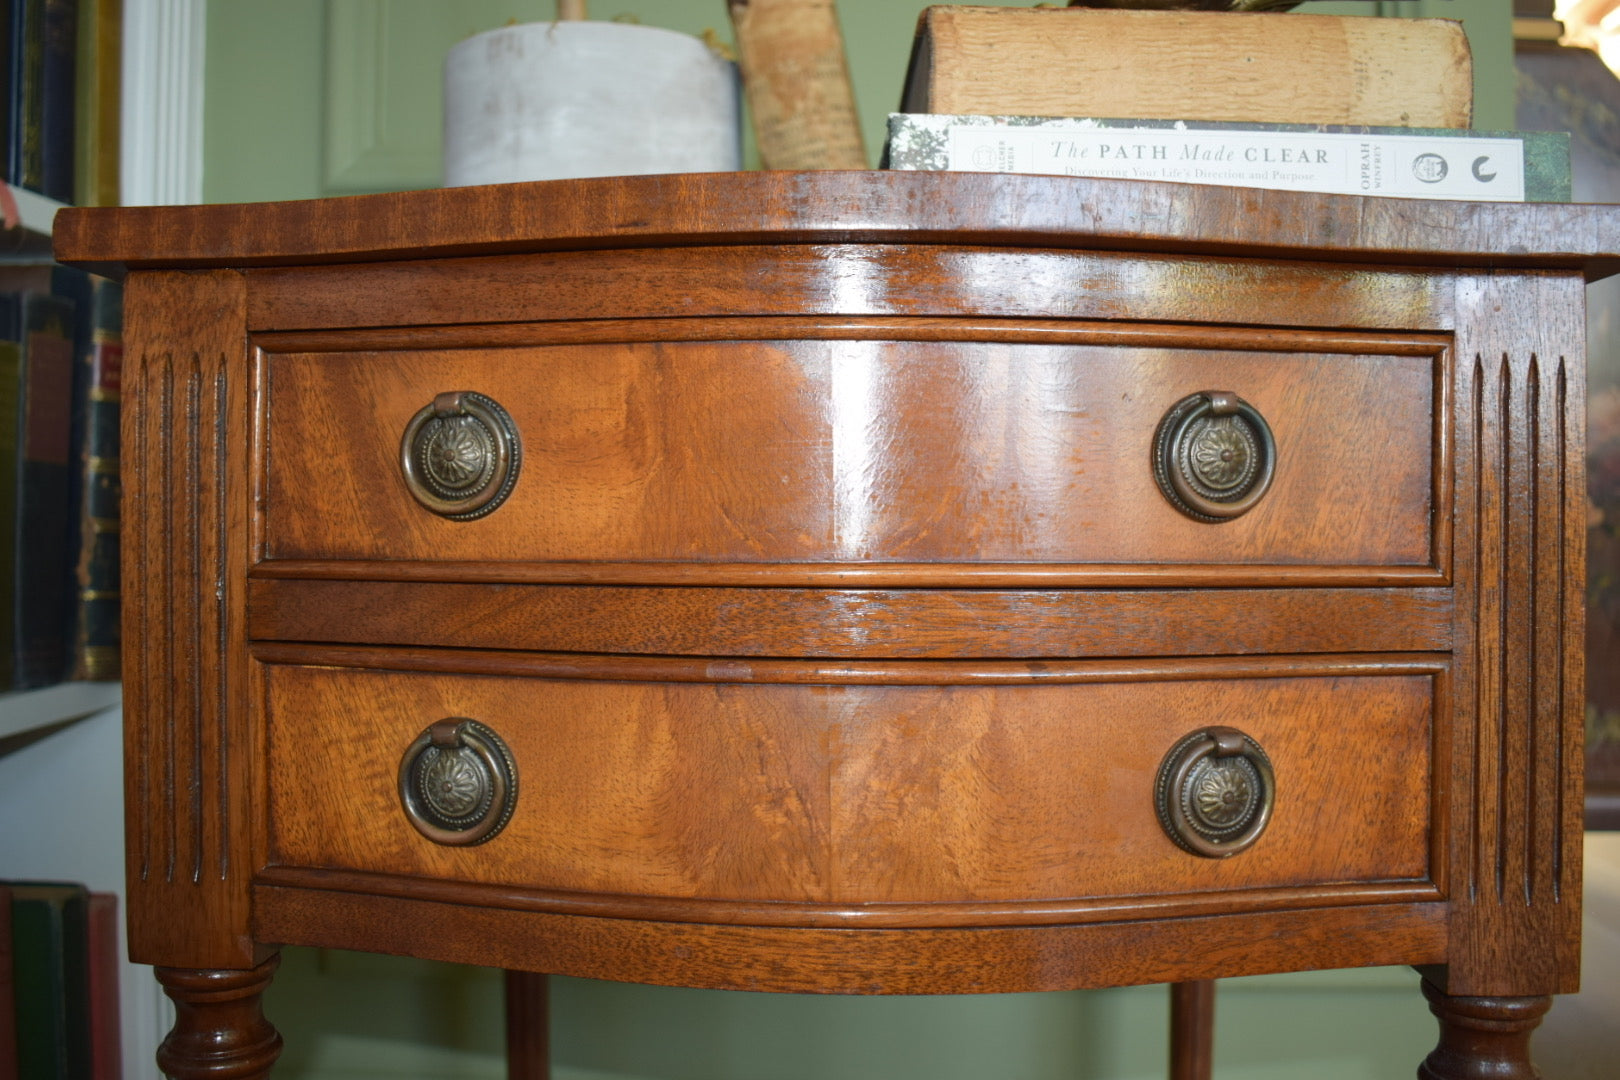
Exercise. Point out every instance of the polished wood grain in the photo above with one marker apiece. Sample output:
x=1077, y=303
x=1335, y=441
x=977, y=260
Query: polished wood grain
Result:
x=853, y=623
x=187, y=737
x=528, y=1026
x=863, y=794
x=619, y=667
x=1192, y=1030
x=850, y=451
x=985, y=960
x=1520, y=621
x=836, y=620
x=775, y=913
x=220, y=1030
x=845, y=281
x=849, y=207
x=1482, y=1036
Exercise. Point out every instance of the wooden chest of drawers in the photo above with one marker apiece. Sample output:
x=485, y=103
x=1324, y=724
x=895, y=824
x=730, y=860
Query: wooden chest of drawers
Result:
x=867, y=583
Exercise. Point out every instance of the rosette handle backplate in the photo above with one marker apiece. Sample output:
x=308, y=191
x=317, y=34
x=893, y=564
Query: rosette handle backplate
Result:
x=1215, y=792
x=458, y=782
x=1213, y=456
x=460, y=455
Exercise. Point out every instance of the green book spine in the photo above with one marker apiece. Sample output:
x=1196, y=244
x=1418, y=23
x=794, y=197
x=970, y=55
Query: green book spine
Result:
x=51, y=971
x=8, y=992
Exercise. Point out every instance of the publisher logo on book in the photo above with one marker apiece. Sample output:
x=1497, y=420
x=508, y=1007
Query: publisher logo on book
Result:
x=1429, y=168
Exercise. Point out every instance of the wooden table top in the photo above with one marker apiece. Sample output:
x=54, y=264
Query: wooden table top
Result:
x=848, y=207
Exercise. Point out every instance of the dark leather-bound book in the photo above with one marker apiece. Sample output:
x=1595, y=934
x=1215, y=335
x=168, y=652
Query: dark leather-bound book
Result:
x=58, y=108
x=51, y=969
x=42, y=61
x=44, y=509
x=93, y=599
x=25, y=93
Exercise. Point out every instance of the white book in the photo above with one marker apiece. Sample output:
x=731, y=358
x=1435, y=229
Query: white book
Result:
x=1404, y=162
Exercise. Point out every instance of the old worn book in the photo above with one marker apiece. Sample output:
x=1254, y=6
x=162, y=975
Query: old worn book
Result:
x=1412, y=163
x=1190, y=65
x=798, y=86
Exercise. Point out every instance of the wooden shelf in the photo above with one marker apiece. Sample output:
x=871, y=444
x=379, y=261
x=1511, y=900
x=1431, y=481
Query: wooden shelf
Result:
x=28, y=240
x=23, y=711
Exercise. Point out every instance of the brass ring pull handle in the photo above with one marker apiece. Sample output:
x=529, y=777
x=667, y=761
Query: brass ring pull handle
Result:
x=1215, y=791
x=460, y=455
x=1213, y=456
x=458, y=782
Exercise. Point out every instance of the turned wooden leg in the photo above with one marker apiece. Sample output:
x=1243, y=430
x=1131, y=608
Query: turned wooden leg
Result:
x=528, y=1025
x=220, y=1032
x=1482, y=1037
x=1192, y=1030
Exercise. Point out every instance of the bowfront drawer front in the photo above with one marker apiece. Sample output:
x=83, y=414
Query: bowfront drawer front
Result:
x=864, y=802
x=808, y=452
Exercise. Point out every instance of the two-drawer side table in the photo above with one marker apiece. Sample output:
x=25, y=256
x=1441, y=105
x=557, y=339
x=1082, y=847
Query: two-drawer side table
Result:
x=856, y=583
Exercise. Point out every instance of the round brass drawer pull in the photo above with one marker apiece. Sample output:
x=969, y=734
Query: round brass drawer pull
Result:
x=1213, y=456
x=458, y=782
x=1215, y=791
x=461, y=455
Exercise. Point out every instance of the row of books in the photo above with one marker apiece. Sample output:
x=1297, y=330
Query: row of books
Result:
x=61, y=355
x=58, y=982
x=1341, y=104
x=59, y=125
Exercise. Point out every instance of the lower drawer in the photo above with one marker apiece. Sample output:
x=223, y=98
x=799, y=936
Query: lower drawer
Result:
x=934, y=804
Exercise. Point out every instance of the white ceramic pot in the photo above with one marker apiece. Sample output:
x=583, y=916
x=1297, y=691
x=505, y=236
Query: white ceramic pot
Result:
x=546, y=101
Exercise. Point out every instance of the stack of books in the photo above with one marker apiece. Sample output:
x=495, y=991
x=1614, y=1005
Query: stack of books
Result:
x=60, y=360
x=1347, y=104
x=58, y=982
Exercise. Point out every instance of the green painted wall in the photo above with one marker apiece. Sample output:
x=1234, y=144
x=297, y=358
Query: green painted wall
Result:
x=273, y=92
x=348, y=1016
x=269, y=79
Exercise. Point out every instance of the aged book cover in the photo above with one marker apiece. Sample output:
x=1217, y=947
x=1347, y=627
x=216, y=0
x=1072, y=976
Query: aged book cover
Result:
x=1190, y=65
x=1413, y=163
x=797, y=81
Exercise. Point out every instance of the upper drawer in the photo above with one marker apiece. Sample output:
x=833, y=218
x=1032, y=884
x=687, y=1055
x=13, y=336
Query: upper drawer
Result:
x=888, y=452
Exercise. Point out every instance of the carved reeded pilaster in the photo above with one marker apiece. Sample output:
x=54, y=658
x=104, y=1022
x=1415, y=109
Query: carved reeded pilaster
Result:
x=188, y=746
x=1514, y=876
x=220, y=1032
x=1482, y=1038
